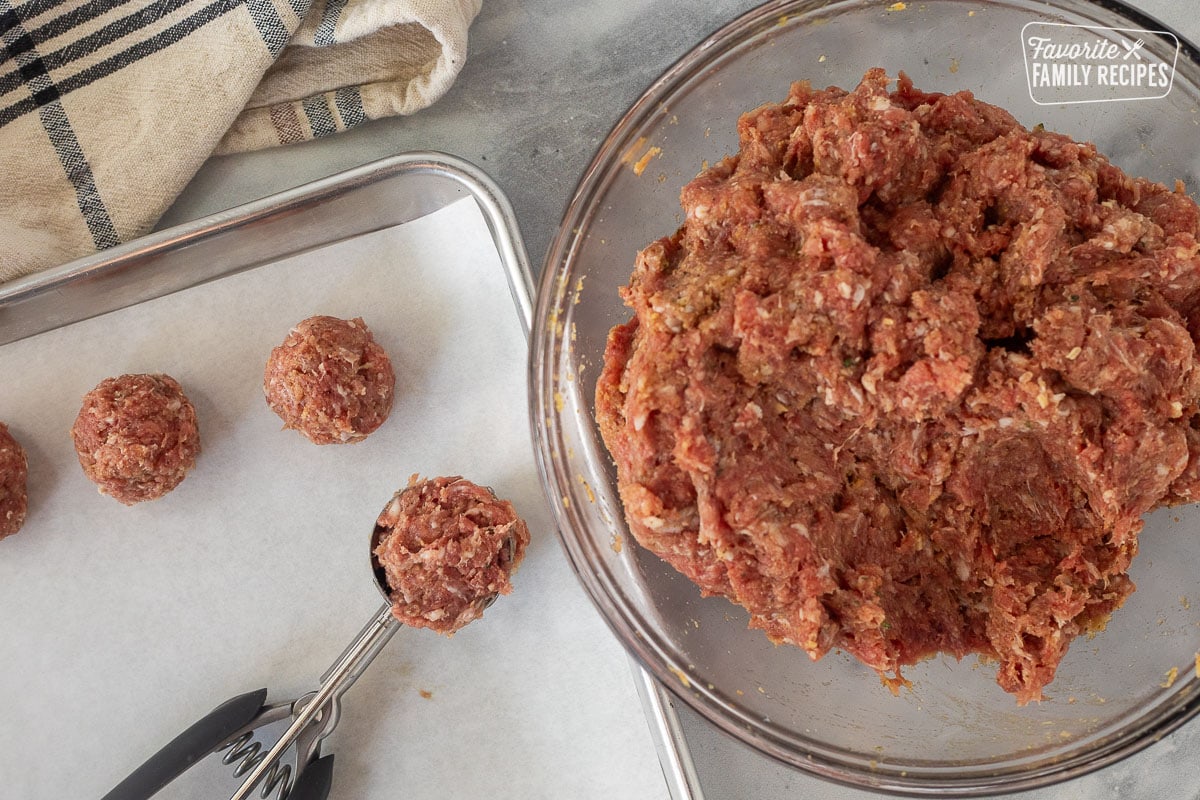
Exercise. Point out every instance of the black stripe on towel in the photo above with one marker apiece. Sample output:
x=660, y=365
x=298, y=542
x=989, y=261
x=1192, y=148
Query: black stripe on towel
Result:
x=130, y=55
x=79, y=171
x=319, y=117
x=29, y=10
x=46, y=97
x=73, y=19
x=271, y=28
x=102, y=37
x=326, y=28
x=349, y=106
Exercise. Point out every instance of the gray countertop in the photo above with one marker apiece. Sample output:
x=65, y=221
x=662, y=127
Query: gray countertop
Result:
x=543, y=84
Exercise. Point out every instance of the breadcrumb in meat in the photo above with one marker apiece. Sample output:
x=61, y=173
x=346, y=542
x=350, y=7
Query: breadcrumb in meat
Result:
x=447, y=547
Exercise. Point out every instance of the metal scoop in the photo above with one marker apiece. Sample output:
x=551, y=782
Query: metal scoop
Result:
x=318, y=715
x=315, y=715
x=231, y=726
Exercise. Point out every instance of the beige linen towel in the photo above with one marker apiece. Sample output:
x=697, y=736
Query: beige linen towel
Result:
x=108, y=107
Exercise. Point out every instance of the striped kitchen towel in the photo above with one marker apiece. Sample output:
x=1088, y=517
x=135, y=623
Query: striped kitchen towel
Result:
x=108, y=107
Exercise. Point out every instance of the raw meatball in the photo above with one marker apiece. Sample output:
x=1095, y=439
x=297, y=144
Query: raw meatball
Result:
x=330, y=380
x=13, y=471
x=448, y=547
x=136, y=436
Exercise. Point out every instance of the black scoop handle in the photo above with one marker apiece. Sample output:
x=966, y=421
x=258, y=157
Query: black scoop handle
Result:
x=315, y=781
x=187, y=748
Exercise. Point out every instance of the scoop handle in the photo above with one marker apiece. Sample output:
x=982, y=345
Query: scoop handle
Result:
x=315, y=780
x=348, y=667
x=199, y=740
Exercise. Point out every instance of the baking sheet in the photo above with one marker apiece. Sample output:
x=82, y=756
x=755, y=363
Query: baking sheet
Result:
x=120, y=626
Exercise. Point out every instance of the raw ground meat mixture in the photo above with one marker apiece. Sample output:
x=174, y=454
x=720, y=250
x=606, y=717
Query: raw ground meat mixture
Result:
x=13, y=474
x=330, y=380
x=448, y=547
x=136, y=436
x=907, y=378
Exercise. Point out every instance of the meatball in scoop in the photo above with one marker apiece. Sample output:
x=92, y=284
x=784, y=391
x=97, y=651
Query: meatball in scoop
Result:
x=447, y=547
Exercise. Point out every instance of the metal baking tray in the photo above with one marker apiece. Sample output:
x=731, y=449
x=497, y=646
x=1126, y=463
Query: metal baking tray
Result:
x=386, y=193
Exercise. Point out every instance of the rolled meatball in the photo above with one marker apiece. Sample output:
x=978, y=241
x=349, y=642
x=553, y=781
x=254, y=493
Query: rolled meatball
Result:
x=136, y=436
x=447, y=547
x=13, y=473
x=330, y=380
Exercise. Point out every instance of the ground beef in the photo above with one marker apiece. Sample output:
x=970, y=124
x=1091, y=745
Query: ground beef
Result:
x=13, y=473
x=447, y=547
x=907, y=378
x=330, y=380
x=136, y=436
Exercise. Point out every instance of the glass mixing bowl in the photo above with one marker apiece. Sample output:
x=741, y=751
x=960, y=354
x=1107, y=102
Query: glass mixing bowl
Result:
x=955, y=732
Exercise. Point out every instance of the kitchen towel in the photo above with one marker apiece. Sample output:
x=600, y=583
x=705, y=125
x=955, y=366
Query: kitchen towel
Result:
x=108, y=107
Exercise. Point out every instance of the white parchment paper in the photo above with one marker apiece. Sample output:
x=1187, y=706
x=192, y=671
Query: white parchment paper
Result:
x=121, y=626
